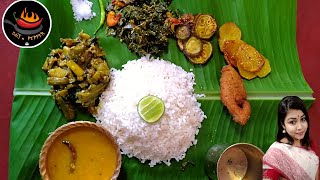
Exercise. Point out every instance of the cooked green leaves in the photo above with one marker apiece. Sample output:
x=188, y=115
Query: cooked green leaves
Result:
x=141, y=26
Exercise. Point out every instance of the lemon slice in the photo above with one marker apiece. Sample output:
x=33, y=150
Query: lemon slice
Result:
x=150, y=108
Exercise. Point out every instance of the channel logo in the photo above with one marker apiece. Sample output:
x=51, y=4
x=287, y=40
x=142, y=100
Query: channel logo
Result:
x=26, y=23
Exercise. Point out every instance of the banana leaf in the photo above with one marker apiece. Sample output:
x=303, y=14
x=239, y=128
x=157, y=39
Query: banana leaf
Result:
x=268, y=25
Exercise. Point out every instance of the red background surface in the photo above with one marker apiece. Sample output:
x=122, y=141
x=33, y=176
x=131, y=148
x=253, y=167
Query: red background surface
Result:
x=308, y=40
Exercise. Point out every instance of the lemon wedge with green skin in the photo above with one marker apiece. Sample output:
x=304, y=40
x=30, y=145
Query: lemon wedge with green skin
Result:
x=150, y=108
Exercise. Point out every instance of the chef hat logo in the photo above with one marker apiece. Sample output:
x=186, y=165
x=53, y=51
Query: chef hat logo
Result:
x=26, y=23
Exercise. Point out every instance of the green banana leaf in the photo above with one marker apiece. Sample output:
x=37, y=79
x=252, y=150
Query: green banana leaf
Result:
x=268, y=25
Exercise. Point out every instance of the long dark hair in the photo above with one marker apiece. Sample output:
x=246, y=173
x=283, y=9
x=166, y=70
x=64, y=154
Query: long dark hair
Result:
x=287, y=103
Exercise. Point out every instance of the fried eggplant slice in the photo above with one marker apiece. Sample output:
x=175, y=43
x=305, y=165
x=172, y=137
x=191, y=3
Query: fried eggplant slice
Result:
x=205, y=26
x=183, y=32
x=180, y=44
x=205, y=54
x=193, y=47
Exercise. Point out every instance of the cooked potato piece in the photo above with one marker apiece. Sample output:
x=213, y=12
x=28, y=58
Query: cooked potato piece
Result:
x=228, y=31
x=205, y=26
x=246, y=74
x=249, y=58
x=266, y=68
x=193, y=47
x=204, y=55
x=231, y=48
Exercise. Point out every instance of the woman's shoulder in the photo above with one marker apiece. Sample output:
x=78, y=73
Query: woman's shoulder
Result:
x=282, y=143
x=275, y=146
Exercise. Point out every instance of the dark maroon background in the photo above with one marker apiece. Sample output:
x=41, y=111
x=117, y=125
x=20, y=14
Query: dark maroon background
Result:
x=308, y=39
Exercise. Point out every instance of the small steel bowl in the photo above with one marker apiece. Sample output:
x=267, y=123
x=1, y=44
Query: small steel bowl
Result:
x=236, y=161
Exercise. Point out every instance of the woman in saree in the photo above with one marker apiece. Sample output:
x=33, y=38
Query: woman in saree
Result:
x=292, y=156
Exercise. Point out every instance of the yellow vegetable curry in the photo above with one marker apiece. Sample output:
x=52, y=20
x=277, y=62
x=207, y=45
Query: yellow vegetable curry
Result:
x=81, y=153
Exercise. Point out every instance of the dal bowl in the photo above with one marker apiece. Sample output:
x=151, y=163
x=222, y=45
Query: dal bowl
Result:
x=80, y=150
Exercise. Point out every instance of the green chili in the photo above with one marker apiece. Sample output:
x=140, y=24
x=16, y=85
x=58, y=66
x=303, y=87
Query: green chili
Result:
x=102, y=16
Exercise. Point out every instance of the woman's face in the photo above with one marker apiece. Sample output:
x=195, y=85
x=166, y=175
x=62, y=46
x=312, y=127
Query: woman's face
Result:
x=295, y=124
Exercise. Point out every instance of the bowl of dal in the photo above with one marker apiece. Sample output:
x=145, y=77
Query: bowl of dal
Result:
x=80, y=150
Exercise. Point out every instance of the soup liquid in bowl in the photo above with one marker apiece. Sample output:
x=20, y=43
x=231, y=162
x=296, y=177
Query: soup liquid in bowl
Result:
x=95, y=155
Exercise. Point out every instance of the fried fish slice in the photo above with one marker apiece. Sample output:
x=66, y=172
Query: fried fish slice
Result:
x=249, y=58
x=228, y=31
x=233, y=95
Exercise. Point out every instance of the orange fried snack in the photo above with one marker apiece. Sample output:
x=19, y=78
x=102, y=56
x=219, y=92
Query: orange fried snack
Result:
x=233, y=95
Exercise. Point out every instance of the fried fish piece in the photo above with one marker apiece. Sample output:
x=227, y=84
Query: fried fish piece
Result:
x=233, y=95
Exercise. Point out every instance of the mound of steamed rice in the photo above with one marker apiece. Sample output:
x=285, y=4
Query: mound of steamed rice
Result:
x=174, y=132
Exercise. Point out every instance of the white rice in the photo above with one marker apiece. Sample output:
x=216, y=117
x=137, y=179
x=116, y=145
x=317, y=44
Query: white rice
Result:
x=174, y=133
x=82, y=10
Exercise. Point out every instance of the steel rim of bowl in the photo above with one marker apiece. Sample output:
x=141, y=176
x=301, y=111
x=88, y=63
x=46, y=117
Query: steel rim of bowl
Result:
x=236, y=144
x=44, y=150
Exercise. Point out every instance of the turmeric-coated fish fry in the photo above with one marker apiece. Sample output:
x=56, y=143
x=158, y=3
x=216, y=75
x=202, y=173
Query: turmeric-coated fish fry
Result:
x=233, y=95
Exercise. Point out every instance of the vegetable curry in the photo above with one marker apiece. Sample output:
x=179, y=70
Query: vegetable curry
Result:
x=77, y=73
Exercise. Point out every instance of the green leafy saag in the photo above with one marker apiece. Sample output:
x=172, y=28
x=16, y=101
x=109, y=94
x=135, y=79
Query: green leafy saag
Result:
x=142, y=26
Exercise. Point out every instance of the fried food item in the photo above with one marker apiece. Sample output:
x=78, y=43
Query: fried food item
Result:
x=183, y=32
x=231, y=48
x=233, y=95
x=205, y=53
x=265, y=70
x=180, y=44
x=228, y=31
x=246, y=74
x=193, y=47
x=193, y=34
x=205, y=26
x=249, y=62
x=249, y=58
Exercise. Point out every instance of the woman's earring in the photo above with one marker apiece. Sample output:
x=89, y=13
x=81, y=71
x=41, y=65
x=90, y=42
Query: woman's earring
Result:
x=284, y=131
